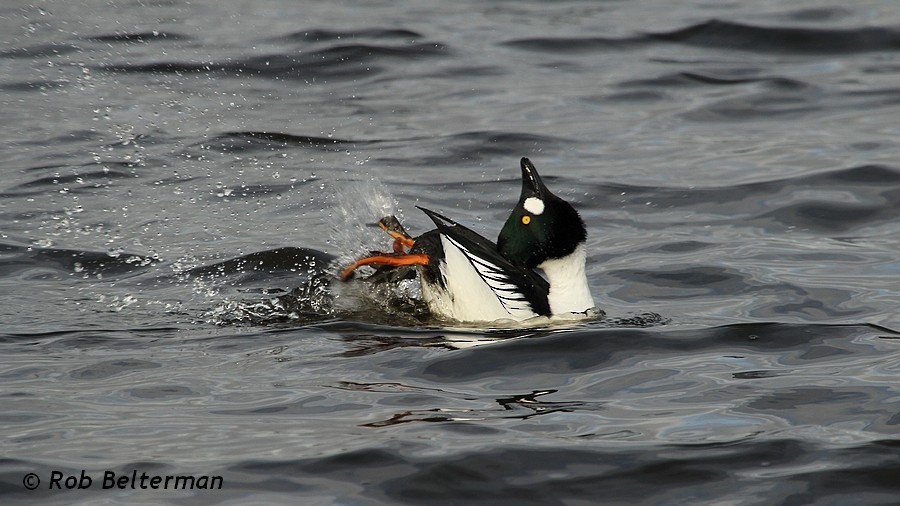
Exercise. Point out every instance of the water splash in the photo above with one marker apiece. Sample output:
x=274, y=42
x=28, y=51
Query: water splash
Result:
x=286, y=284
x=358, y=207
x=298, y=285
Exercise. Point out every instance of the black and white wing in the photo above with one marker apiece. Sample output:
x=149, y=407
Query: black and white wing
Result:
x=519, y=290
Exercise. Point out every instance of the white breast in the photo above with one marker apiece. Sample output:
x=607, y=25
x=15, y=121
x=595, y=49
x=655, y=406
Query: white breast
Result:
x=569, y=291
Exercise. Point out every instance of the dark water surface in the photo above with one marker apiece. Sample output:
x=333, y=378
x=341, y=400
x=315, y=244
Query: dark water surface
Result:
x=179, y=178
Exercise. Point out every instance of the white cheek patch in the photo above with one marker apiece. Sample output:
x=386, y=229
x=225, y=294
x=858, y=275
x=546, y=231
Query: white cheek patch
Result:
x=534, y=206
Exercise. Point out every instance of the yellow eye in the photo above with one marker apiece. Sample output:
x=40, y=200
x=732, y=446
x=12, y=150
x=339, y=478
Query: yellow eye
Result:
x=526, y=220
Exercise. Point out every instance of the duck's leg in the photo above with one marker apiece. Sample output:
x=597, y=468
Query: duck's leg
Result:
x=384, y=259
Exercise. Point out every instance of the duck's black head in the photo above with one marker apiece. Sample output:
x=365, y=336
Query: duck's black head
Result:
x=542, y=226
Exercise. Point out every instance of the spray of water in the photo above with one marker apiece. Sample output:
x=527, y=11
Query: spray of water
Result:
x=351, y=213
x=358, y=205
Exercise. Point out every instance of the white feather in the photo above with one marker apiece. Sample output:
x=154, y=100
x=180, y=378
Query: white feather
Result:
x=534, y=205
x=569, y=291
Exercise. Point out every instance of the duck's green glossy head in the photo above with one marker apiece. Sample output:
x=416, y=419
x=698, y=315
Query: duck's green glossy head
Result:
x=542, y=226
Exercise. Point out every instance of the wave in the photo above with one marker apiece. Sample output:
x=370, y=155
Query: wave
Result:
x=230, y=142
x=714, y=470
x=40, y=51
x=19, y=258
x=729, y=35
x=763, y=39
x=139, y=37
x=476, y=146
x=349, y=60
x=573, y=471
x=597, y=348
x=871, y=197
x=322, y=35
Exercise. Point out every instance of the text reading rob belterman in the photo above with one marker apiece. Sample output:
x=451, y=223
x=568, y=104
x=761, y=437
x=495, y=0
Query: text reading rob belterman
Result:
x=135, y=480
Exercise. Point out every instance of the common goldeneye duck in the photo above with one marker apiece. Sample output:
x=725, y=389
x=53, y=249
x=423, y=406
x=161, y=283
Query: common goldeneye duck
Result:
x=466, y=277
